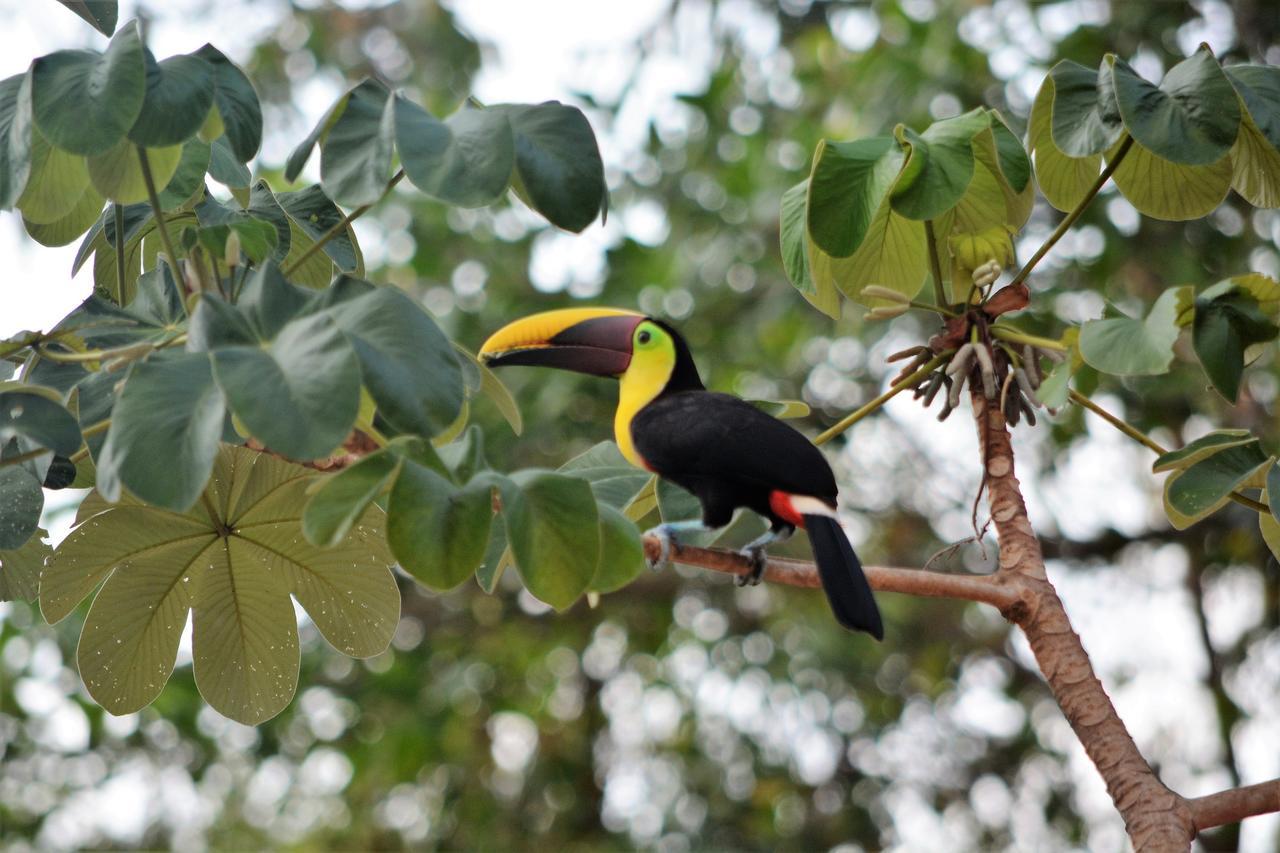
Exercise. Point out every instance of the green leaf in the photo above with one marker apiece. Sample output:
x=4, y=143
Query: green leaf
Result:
x=554, y=534
x=939, y=165
x=100, y=14
x=20, y=569
x=1199, y=490
x=225, y=168
x=164, y=432
x=314, y=214
x=84, y=101
x=299, y=395
x=56, y=183
x=793, y=235
x=237, y=104
x=21, y=500
x=493, y=388
x=497, y=558
x=1202, y=448
x=1273, y=488
x=178, y=99
x=188, y=176
x=1270, y=529
x=621, y=552
x=117, y=173
x=64, y=231
x=234, y=560
x=1228, y=320
x=1256, y=155
x=345, y=497
x=1015, y=165
x=1063, y=179
x=299, y=156
x=1191, y=119
x=436, y=531
x=1085, y=117
x=893, y=255
x=15, y=137
x=557, y=162
x=39, y=420
x=783, y=409
x=355, y=157
x=466, y=160
x=614, y=481
x=1123, y=346
x=847, y=188
x=407, y=363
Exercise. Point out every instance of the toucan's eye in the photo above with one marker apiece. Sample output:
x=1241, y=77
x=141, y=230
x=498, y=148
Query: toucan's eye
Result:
x=644, y=336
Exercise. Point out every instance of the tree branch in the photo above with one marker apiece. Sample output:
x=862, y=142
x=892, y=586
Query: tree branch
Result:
x=988, y=589
x=1155, y=817
x=1235, y=804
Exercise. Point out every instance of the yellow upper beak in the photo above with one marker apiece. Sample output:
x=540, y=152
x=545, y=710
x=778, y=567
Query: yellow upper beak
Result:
x=538, y=330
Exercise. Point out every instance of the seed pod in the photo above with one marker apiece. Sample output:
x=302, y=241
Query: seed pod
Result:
x=953, y=393
x=946, y=410
x=875, y=291
x=936, y=382
x=1031, y=363
x=910, y=368
x=886, y=312
x=961, y=360
x=1030, y=412
x=907, y=353
x=1024, y=382
x=988, y=370
x=1011, y=408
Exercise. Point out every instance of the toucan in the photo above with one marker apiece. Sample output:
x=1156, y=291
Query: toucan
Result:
x=725, y=451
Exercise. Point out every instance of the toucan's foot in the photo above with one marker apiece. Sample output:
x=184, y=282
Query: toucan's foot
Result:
x=666, y=542
x=759, y=559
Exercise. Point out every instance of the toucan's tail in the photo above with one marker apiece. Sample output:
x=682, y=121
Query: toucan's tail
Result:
x=842, y=578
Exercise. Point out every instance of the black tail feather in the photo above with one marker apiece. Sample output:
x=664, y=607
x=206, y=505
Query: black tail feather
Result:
x=842, y=578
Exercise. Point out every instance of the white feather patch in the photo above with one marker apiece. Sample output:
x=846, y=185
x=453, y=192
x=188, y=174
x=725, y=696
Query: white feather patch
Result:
x=805, y=505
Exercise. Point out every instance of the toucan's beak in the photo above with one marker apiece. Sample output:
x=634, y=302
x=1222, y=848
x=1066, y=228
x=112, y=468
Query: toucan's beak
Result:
x=585, y=340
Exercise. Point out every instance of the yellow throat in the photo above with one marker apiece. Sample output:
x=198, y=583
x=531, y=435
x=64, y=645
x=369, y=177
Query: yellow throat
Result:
x=652, y=361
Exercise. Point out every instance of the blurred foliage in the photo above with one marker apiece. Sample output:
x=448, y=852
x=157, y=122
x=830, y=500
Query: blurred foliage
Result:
x=682, y=712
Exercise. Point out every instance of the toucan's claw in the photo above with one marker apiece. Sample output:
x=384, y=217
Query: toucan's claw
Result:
x=759, y=559
x=666, y=539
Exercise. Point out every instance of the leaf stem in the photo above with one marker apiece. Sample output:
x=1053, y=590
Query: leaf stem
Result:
x=937, y=309
x=154, y=197
x=1070, y=219
x=1017, y=336
x=24, y=457
x=1150, y=443
x=935, y=265
x=118, y=212
x=340, y=226
x=869, y=407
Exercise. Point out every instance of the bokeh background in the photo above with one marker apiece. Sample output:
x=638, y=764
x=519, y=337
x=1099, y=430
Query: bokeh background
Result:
x=683, y=713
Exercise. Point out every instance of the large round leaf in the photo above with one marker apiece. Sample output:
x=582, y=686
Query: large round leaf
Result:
x=355, y=157
x=21, y=500
x=345, y=497
x=794, y=239
x=84, y=101
x=1123, y=346
x=298, y=396
x=315, y=214
x=1256, y=155
x=558, y=163
x=554, y=534
x=1063, y=179
x=621, y=551
x=179, y=96
x=846, y=188
x=1166, y=190
x=118, y=174
x=237, y=104
x=1085, y=117
x=39, y=420
x=15, y=137
x=466, y=160
x=64, y=231
x=438, y=532
x=894, y=254
x=164, y=432
x=939, y=165
x=56, y=184
x=1191, y=119
x=20, y=569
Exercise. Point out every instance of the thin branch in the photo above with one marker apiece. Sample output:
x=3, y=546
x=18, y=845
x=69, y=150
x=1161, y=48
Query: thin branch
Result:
x=935, y=265
x=867, y=408
x=341, y=226
x=154, y=197
x=987, y=589
x=19, y=458
x=118, y=211
x=1235, y=804
x=1065, y=225
x=1150, y=443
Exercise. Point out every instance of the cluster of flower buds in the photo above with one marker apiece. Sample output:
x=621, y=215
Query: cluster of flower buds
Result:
x=1008, y=376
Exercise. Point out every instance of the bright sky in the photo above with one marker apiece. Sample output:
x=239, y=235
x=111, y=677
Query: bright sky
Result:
x=1143, y=643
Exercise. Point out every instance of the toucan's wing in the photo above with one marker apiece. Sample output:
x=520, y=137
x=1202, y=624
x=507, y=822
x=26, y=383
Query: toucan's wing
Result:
x=705, y=434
